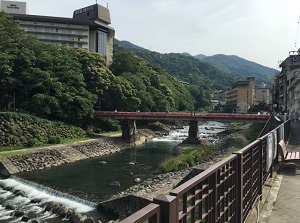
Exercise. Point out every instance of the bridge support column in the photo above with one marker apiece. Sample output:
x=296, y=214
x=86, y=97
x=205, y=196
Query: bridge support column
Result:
x=193, y=137
x=129, y=131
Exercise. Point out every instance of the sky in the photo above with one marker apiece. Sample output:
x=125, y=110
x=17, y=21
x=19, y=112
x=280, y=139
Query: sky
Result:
x=262, y=31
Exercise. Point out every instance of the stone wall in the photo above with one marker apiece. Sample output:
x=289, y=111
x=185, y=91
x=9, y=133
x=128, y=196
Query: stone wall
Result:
x=52, y=156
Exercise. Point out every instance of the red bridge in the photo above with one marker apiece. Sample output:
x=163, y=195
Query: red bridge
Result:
x=129, y=130
x=185, y=116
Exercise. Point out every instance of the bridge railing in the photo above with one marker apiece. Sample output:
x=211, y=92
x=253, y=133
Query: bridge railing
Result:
x=181, y=114
x=225, y=192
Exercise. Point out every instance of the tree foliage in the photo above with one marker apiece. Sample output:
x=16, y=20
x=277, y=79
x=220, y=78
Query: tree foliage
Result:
x=70, y=84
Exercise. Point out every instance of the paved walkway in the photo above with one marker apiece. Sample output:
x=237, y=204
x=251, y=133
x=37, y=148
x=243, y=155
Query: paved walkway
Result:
x=283, y=202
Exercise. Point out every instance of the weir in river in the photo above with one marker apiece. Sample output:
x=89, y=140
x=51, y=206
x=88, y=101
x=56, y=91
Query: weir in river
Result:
x=89, y=176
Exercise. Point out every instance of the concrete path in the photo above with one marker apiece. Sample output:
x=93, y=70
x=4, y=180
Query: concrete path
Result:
x=283, y=202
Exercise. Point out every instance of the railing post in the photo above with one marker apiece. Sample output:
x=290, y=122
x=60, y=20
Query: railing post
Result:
x=239, y=183
x=168, y=208
x=261, y=174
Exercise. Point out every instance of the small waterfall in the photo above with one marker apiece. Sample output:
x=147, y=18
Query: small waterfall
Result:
x=58, y=194
x=35, y=191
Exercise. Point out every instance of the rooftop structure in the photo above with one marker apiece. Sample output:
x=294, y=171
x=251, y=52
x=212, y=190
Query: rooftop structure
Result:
x=89, y=28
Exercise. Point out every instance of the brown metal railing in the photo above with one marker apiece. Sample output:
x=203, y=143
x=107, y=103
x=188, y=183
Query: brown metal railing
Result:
x=225, y=192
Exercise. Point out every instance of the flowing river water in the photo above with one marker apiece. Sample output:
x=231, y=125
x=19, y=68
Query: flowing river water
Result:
x=91, y=177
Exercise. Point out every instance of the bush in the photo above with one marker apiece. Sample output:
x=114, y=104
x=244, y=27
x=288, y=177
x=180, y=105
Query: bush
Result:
x=189, y=157
x=34, y=142
x=254, y=131
x=54, y=139
x=109, y=125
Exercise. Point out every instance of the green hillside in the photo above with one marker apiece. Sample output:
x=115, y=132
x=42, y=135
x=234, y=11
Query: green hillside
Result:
x=187, y=69
x=221, y=73
x=237, y=65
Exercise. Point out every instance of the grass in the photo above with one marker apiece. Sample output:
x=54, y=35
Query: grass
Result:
x=14, y=150
x=235, y=144
x=11, y=148
x=188, y=156
x=234, y=149
x=12, y=153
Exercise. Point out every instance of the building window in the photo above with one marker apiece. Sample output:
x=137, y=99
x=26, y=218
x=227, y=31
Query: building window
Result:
x=101, y=41
x=79, y=45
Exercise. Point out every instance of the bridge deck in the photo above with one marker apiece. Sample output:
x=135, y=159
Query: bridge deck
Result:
x=186, y=116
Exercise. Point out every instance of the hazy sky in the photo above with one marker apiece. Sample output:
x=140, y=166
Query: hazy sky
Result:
x=262, y=31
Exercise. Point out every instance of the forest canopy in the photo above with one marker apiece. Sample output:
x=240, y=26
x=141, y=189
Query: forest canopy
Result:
x=68, y=84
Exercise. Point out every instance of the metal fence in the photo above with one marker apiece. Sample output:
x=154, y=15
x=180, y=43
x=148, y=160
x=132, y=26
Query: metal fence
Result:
x=225, y=192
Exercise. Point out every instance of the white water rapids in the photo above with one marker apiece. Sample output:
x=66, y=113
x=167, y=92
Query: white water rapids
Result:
x=34, y=191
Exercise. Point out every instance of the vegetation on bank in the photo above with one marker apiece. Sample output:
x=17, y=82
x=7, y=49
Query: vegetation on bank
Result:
x=19, y=130
x=254, y=131
x=188, y=157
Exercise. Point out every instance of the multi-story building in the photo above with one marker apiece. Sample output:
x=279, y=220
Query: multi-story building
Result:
x=287, y=86
x=89, y=28
x=264, y=95
x=241, y=95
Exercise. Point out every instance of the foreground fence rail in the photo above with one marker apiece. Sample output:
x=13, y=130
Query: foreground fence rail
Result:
x=225, y=192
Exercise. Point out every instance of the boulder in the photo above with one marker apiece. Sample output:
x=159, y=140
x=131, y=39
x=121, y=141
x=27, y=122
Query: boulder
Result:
x=10, y=207
x=25, y=218
x=35, y=200
x=115, y=184
x=50, y=205
x=18, y=213
x=89, y=220
x=19, y=193
x=137, y=180
x=62, y=212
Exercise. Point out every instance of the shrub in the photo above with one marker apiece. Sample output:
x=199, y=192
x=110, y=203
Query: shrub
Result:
x=54, y=139
x=188, y=157
x=34, y=142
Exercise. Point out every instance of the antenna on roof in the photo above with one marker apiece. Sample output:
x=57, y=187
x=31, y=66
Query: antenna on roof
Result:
x=297, y=32
x=106, y=4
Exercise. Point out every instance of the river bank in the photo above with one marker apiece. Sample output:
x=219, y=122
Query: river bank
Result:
x=146, y=189
x=52, y=156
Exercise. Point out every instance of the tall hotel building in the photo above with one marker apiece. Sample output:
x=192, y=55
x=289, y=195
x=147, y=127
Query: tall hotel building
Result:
x=89, y=28
x=241, y=95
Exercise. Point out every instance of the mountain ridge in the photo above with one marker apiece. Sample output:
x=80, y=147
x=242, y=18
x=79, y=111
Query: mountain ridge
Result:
x=227, y=64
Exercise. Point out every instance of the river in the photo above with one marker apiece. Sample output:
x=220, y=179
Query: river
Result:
x=93, y=177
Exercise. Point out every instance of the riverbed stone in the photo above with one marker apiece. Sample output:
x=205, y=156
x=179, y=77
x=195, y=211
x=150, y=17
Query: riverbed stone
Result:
x=115, y=184
x=25, y=218
x=137, y=180
x=89, y=220
x=62, y=212
x=10, y=207
x=18, y=213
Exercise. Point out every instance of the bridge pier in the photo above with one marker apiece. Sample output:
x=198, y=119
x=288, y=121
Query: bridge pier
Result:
x=129, y=130
x=193, y=137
